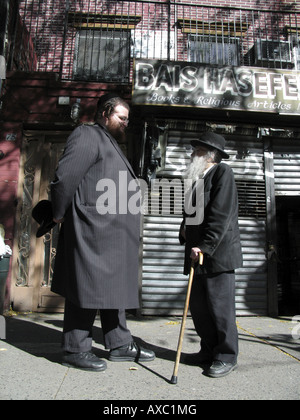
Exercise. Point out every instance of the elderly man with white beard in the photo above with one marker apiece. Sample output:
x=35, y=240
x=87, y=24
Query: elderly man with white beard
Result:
x=217, y=237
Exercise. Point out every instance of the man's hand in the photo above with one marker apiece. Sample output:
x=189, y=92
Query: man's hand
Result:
x=195, y=254
x=58, y=221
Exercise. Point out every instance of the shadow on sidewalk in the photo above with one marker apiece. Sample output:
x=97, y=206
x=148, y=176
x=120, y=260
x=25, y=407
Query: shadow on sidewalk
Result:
x=42, y=338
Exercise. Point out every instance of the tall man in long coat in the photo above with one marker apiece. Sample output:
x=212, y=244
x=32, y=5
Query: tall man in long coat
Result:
x=96, y=266
x=217, y=237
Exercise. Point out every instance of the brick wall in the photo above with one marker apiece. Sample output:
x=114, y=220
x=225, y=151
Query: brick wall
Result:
x=44, y=31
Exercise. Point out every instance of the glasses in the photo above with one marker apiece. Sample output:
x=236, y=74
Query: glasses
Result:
x=125, y=120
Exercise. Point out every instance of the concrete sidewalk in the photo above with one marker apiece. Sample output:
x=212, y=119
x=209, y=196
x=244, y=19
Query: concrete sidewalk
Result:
x=30, y=369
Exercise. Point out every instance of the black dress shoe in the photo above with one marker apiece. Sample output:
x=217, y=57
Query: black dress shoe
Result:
x=132, y=352
x=219, y=369
x=85, y=361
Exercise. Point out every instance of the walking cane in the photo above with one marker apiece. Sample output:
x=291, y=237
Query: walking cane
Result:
x=186, y=307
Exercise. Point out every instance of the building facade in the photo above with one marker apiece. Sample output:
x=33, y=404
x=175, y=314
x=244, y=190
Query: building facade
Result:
x=232, y=67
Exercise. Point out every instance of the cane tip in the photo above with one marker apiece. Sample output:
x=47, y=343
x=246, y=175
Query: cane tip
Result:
x=174, y=380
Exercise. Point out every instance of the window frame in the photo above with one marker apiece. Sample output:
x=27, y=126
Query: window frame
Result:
x=88, y=65
x=214, y=42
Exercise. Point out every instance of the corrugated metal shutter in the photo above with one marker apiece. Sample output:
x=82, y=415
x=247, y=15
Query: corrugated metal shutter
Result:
x=246, y=161
x=287, y=173
x=163, y=284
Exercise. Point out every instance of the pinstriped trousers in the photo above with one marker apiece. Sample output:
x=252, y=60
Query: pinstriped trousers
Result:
x=78, y=324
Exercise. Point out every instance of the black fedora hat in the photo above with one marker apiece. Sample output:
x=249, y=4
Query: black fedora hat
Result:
x=211, y=140
x=42, y=213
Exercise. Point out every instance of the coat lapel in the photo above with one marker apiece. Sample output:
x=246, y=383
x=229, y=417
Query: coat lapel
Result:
x=116, y=146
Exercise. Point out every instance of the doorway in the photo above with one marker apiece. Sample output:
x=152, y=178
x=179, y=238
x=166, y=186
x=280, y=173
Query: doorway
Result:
x=288, y=231
x=33, y=258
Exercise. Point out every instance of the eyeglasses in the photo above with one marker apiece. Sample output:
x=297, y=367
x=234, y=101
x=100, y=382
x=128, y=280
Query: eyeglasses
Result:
x=125, y=120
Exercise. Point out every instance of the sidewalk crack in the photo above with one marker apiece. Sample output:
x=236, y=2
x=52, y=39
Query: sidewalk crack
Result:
x=60, y=386
x=267, y=342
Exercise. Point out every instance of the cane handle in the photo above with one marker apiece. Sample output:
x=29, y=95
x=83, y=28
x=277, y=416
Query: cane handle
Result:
x=200, y=258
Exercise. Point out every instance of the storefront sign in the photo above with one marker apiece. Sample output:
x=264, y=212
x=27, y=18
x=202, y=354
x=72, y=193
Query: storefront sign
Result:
x=203, y=86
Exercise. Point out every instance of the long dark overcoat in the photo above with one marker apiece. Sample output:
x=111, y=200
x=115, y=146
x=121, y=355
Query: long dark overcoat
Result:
x=218, y=234
x=96, y=264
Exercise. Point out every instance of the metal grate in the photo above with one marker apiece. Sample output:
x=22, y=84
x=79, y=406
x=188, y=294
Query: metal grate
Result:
x=252, y=198
x=102, y=57
x=48, y=36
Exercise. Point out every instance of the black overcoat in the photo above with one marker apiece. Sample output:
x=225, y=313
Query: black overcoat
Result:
x=218, y=235
x=96, y=264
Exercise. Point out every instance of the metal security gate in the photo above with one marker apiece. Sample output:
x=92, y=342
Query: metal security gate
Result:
x=247, y=163
x=287, y=173
x=163, y=284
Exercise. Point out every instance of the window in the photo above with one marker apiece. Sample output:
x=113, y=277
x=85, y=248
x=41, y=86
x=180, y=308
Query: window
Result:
x=296, y=57
x=102, y=56
x=153, y=44
x=214, y=50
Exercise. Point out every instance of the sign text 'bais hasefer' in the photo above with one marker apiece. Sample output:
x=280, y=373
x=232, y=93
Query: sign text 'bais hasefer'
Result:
x=230, y=88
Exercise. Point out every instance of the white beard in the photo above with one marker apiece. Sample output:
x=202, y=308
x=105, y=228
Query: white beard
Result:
x=196, y=168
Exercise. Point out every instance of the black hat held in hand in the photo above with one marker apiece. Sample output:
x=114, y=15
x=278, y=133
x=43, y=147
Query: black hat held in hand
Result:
x=42, y=213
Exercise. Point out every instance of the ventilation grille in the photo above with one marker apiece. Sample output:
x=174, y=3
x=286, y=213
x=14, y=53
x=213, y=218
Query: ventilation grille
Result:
x=252, y=201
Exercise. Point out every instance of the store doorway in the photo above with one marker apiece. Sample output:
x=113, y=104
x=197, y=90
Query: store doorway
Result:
x=33, y=258
x=288, y=230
